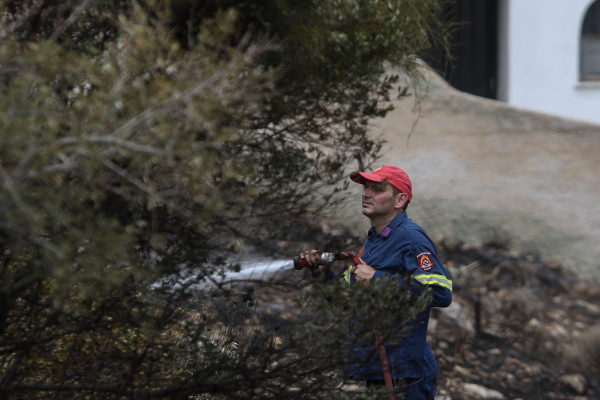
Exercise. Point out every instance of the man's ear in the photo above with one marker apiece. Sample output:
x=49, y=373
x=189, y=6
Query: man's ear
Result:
x=401, y=200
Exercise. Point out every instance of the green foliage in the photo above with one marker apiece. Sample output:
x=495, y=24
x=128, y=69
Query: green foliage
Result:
x=143, y=141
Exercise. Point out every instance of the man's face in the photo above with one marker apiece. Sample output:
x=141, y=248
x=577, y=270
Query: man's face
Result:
x=378, y=199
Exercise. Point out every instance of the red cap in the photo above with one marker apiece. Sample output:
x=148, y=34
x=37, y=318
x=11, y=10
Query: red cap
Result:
x=387, y=173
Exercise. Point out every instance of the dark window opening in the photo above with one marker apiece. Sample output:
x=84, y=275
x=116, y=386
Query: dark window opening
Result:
x=590, y=44
x=474, y=65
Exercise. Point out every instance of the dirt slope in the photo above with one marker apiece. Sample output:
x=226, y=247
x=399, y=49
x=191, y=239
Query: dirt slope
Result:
x=486, y=172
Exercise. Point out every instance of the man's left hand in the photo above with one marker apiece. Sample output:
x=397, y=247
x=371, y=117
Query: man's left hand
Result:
x=363, y=272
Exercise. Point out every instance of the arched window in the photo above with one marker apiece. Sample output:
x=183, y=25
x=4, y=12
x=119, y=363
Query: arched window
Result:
x=590, y=43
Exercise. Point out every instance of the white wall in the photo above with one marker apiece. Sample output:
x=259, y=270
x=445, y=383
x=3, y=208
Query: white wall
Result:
x=539, y=58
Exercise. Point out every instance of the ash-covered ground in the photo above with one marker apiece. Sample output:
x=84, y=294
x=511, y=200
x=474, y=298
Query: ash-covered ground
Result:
x=518, y=328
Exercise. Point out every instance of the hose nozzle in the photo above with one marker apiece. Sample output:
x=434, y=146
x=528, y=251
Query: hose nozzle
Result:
x=326, y=259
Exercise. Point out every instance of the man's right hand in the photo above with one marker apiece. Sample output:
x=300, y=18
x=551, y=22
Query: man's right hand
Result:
x=313, y=259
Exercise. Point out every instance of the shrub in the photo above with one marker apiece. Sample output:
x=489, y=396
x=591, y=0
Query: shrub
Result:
x=145, y=141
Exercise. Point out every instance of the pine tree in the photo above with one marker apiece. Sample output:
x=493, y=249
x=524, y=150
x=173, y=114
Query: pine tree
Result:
x=144, y=140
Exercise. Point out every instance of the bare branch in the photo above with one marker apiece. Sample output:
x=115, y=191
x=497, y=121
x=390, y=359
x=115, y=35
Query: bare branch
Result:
x=112, y=140
x=10, y=186
x=71, y=20
x=67, y=387
x=39, y=241
x=18, y=23
x=126, y=175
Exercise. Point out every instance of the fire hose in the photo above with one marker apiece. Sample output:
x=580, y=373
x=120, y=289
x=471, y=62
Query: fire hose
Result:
x=327, y=259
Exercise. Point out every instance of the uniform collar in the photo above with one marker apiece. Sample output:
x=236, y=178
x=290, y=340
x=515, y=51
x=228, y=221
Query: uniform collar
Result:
x=396, y=222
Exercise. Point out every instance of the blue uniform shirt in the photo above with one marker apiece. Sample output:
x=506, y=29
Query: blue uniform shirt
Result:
x=403, y=247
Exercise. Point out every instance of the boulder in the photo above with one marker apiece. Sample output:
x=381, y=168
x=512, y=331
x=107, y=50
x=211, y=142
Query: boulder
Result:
x=442, y=395
x=574, y=382
x=482, y=392
x=553, y=265
x=464, y=373
x=495, y=352
x=458, y=315
x=557, y=331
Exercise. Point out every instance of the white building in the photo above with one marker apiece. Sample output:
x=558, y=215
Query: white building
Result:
x=542, y=55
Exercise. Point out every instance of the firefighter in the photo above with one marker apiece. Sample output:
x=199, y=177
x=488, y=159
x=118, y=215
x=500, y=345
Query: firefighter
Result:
x=396, y=247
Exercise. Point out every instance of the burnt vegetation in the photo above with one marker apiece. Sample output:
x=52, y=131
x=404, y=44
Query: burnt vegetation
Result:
x=520, y=326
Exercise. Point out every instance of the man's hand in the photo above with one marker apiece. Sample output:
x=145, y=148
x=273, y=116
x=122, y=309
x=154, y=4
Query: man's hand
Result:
x=363, y=272
x=313, y=258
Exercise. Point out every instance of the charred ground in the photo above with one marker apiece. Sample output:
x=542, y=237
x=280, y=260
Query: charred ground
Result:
x=518, y=328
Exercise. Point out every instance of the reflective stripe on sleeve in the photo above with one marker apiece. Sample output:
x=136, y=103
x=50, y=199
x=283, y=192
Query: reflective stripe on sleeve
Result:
x=434, y=279
x=347, y=274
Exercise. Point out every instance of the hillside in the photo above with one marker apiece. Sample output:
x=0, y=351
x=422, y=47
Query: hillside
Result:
x=483, y=170
x=537, y=336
